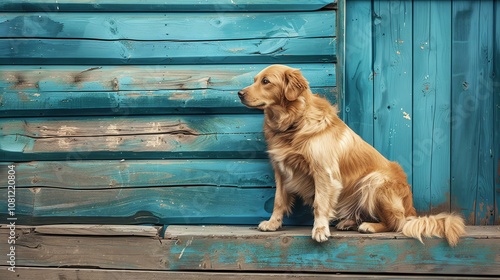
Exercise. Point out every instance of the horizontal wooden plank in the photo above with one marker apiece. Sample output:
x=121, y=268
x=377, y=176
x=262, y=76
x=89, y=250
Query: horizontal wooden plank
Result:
x=153, y=137
x=129, y=90
x=167, y=26
x=109, y=174
x=111, y=251
x=245, y=249
x=160, y=5
x=160, y=205
x=97, y=230
x=350, y=251
x=125, y=103
x=40, y=79
x=85, y=273
x=227, y=231
x=92, y=52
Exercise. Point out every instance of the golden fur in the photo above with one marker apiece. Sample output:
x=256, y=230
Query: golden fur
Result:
x=319, y=158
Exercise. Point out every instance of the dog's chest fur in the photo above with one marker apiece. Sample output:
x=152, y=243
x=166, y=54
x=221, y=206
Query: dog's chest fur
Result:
x=285, y=150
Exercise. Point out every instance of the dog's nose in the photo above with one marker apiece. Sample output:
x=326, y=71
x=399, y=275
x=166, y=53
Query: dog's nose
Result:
x=241, y=94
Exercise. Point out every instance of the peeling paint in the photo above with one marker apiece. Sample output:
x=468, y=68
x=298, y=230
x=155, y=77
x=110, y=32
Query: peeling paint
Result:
x=406, y=116
x=181, y=96
x=35, y=190
x=113, y=129
x=67, y=130
x=188, y=243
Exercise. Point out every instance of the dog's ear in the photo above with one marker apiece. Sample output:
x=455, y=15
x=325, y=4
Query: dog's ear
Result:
x=295, y=84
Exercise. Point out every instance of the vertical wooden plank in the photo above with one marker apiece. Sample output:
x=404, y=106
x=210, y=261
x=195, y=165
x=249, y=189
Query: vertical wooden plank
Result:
x=472, y=111
x=485, y=193
x=341, y=55
x=496, y=105
x=431, y=105
x=393, y=81
x=358, y=101
x=464, y=148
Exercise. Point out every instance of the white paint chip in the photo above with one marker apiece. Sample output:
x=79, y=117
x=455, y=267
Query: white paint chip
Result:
x=406, y=116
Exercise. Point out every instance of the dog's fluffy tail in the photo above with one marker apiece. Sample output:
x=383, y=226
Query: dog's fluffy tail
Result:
x=444, y=225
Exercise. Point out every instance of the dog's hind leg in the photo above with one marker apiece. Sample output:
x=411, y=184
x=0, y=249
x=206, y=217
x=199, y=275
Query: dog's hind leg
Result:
x=283, y=202
x=347, y=224
x=390, y=212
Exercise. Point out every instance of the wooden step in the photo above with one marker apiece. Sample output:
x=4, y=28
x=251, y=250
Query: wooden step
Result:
x=245, y=249
x=77, y=273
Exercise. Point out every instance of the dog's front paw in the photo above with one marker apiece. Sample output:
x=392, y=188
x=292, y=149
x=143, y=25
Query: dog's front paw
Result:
x=269, y=225
x=321, y=233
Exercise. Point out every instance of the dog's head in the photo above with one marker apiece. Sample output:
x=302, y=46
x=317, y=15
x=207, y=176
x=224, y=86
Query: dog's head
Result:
x=276, y=84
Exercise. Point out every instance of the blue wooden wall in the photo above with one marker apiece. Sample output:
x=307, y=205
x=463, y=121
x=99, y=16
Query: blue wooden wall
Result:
x=126, y=112
x=423, y=86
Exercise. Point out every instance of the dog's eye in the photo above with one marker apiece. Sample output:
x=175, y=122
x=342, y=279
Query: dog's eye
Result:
x=265, y=81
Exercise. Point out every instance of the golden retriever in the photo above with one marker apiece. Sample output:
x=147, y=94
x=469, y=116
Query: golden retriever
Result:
x=319, y=158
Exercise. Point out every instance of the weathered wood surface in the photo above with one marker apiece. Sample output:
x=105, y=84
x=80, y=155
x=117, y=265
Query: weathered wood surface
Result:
x=223, y=248
x=146, y=78
x=359, y=92
x=171, y=38
x=110, y=174
x=125, y=103
x=496, y=118
x=91, y=52
x=98, y=230
x=105, y=274
x=438, y=59
x=146, y=191
x=392, y=66
x=188, y=136
x=346, y=251
x=160, y=5
x=473, y=152
x=125, y=252
x=160, y=205
x=431, y=105
x=168, y=26
x=128, y=90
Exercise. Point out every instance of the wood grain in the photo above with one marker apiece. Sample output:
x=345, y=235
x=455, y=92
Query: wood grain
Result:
x=393, y=81
x=359, y=93
x=244, y=249
x=168, y=26
x=146, y=78
x=496, y=113
x=110, y=174
x=296, y=251
x=123, y=274
x=431, y=106
x=126, y=103
x=127, y=52
x=158, y=206
x=98, y=230
x=158, y=5
x=221, y=136
x=485, y=96
x=472, y=112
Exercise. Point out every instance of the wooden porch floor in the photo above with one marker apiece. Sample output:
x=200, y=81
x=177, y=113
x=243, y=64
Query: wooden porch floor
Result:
x=228, y=252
